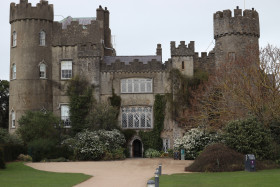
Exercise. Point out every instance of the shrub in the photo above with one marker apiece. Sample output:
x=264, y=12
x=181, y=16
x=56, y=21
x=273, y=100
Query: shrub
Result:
x=41, y=148
x=249, y=136
x=217, y=158
x=195, y=141
x=7, y=138
x=152, y=153
x=25, y=158
x=2, y=162
x=118, y=154
x=38, y=125
x=11, y=151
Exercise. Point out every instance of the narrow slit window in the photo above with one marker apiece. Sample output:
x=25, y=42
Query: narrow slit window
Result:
x=183, y=65
x=42, y=36
x=13, y=115
x=14, y=71
x=42, y=70
x=14, y=39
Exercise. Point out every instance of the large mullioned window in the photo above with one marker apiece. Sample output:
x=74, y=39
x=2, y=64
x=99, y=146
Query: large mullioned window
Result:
x=136, y=85
x=66, y=69
x=137, y=117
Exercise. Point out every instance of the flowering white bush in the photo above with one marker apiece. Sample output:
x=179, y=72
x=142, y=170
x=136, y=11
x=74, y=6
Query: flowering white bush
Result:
x=91, y=145
x=194, y=141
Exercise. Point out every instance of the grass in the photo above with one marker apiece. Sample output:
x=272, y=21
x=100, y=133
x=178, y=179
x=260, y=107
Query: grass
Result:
x=265, y=178
x=17, y=174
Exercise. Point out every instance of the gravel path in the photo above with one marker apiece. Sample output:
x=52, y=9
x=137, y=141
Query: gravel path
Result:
x=125, y=173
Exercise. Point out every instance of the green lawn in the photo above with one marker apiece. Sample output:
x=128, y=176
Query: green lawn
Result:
x=17, y=174
x=226, y=179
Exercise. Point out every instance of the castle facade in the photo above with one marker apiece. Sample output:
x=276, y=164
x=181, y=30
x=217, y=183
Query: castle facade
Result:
x=45, y=54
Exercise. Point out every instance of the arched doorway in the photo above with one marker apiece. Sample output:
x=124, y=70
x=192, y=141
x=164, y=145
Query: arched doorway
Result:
x=137, y=148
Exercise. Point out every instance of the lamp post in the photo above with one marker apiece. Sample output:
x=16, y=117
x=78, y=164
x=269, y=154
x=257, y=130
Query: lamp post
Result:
x=159, y=169
x=151, y=183
x=156, y=178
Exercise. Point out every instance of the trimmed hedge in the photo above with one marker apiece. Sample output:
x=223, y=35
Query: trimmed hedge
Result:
x=12, y=151
x=2, y=162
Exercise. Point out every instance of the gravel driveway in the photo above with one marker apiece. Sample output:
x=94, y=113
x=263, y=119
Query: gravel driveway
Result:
x=125, y=173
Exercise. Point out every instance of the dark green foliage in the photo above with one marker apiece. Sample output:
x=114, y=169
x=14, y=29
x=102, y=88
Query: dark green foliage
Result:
x=2, y=162
x=249, y=136
x=128, y=134
x=4, y=104
x=115, y=100
x=103, y=116
x=11, y=151
x=275, y=131
x=7, y=138
x=38, y=125
x=217, y=158
x=152, y=139
x=41, y=148
x=80, y=93
x=182, y=89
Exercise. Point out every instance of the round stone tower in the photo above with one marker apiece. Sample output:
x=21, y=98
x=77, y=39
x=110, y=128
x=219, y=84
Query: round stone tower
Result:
x=30, y=59
x=236, y=36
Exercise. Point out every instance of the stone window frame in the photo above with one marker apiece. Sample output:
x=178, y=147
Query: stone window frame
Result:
x=136, y=85
x=13, y=119
x=61, y=74
x=42, y=38
x=65, y=119
x=14, y=39
x=137, y=117
x=13, y=71
x=42, y=63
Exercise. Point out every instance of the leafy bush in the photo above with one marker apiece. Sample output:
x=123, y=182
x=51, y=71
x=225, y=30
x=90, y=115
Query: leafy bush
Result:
x=92, y=145
x=7, y=138
x=217, y=158
x=118, y=154
x=38, y=125
x=152, y=153
x=41, y=148
x=2, y=162
x=25, y=158
x=195, y=141
x=11, y=151
x=249, y=137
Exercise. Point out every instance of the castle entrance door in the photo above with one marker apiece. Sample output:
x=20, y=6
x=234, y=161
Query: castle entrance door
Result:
x=137, y=148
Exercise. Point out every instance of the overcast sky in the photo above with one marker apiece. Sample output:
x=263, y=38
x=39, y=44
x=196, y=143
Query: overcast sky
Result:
x=139, y=25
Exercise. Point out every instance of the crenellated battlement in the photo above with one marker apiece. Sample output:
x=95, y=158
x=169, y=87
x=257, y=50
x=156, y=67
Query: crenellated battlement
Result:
x=182, y=49
x=241, y=23
x=205, y=61
x=24, y=10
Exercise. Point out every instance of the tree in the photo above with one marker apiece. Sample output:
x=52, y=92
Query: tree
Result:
x=80, y=93
x=103, y=116
x=38, y=125
x=4, y=104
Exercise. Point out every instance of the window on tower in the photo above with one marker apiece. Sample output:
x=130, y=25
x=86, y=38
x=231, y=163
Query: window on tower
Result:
x=183, y=65
x=13, y=117
x=65, y=115
x=66, y=69
x=14, y=71
x=42, y=36
x=42, y=70
x=14, y=39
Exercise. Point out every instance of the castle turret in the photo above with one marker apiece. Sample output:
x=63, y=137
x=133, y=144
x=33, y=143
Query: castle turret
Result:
x=30, y=59
x=236, y=35
x=183, y=57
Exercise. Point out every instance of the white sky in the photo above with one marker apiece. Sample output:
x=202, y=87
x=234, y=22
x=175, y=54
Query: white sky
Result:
x=138, y=25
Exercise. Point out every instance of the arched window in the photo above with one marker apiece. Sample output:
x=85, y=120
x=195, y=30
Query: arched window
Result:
x=42, y=36
x=42, y=70
x=13, y=117
x=14, y=39
x=14, y=71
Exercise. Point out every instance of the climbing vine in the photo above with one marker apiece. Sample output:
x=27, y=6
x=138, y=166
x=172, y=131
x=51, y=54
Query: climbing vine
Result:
x=152, y=138
x=80, y=96
x=182, y=87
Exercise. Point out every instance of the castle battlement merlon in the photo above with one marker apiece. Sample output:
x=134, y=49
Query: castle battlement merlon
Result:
x=24, y=10
x=182, y=49
x=239, y=24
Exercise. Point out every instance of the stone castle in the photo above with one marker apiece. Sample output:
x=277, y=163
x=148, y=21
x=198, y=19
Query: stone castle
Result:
x=45, y=54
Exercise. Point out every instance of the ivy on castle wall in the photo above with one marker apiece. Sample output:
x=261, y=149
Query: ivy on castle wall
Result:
x=182, y=87
x=80, y=95
x=152, y=139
